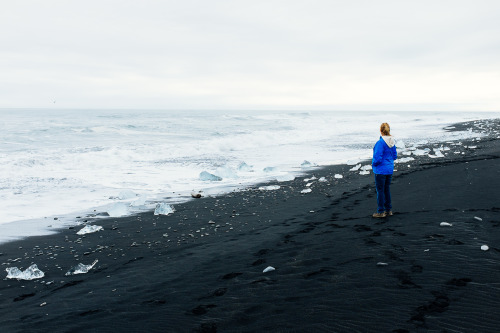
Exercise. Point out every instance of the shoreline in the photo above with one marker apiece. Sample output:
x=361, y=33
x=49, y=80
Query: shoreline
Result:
x=337, y=269
x=34, y=219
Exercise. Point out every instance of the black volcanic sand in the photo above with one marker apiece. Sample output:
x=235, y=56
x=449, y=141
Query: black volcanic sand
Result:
x=337, y=268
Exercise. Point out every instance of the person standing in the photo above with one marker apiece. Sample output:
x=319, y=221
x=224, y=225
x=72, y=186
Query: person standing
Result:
x=384, y=154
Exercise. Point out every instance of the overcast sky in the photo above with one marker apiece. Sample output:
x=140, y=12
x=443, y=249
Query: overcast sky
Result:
x=284, y=54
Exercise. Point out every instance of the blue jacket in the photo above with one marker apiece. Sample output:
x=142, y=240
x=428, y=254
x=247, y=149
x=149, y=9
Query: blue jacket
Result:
x=384, y=154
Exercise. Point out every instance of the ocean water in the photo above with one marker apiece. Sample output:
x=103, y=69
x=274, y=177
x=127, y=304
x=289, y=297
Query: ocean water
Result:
x=56, y=165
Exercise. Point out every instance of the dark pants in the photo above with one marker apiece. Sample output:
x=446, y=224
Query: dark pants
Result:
x=383, y=184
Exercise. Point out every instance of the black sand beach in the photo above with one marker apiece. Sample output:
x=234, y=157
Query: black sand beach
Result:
x=337, y=268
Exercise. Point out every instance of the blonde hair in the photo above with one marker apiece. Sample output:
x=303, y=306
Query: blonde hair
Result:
x=385, y=129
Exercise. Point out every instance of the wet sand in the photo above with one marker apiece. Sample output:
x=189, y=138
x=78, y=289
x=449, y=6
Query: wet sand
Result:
x=337, y=269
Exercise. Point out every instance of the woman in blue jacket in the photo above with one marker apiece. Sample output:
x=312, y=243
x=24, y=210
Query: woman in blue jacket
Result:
x=384, y=154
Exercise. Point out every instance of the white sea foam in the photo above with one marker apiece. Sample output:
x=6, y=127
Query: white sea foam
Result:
x=70, y=163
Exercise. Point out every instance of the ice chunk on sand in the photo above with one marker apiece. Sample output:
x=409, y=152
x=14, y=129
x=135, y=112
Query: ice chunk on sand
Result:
x=337, y=176
x=88, y=229
x=307, y=190
x=478, y=218
x=163, y=209
x=118, y=209
x=445, y=224
x=485, y=247
x=421, y=152
x=206, y=176
x=364, y=172
x=382, y=263
x=437, y=154
x=30, y=273
x=81, y=268
x=366, y=167
x=322, y=180
x=268, y=269
x=285, y=178
x=355, y=168
x=245, y=167
x=400, y=144
x=269, y=188
x=126, y=194
x=309, y=179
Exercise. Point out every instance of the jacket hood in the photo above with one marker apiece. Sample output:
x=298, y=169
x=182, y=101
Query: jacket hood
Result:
x=389, y=140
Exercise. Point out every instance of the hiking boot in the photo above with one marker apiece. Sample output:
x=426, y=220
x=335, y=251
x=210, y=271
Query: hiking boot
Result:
x=389, y=213
x=379, y=215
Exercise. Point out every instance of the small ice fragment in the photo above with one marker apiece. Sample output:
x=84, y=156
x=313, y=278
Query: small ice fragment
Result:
x=117, y=210
x=30, y=273
x=485, y=247
x=309, y=179
x=437, y=154
x=426, y=250
x=478, y=218
x=163, y=209
x=206, y=176
x=404, y=160
x=421, y=152
x=88, y=229
x=245, y=167
x=355, y=168
x=366, y=167
x=211, y=222
x=322, y=180
x=337, y=176
x=268, y=269
x=445, y=224
x=43, y=304
x=270, y=169
x=309, y=184
x=269, y=188
x=126, y=194
x=81, y=268
x=307, y=190
x=306, y=164
x=382, y=264
x=226, y=172
x=364, y=173
x=140, y=201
